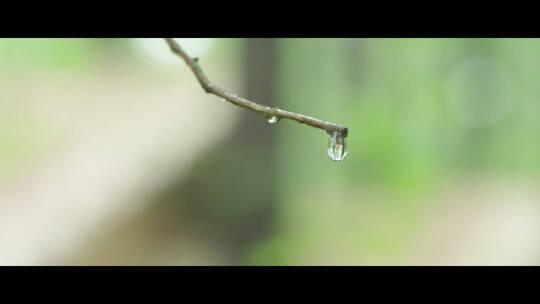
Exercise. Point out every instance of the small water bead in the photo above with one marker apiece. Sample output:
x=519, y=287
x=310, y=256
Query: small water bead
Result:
x=337, y=148
x=230, y=95
x=272, y=119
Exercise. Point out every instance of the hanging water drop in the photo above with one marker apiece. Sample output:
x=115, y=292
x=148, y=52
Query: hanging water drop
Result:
x=272, y=119
x=337, y=149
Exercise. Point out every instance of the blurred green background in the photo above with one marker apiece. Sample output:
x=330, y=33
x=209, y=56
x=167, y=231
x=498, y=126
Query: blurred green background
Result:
x=111, y=153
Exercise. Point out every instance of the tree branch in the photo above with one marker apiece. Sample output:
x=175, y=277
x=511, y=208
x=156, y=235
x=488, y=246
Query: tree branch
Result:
x=209, y=87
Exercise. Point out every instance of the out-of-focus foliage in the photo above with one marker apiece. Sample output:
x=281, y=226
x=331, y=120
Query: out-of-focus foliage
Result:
x=48, y=53
x=420, y=112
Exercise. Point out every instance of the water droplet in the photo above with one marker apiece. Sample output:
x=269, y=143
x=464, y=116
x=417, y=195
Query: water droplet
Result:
x=337, y=149
x=272, y=119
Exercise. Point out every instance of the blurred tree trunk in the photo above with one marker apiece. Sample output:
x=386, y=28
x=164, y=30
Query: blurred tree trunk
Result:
x=477, y=140
x=229, y=195
x=353, y=49
x=260, y=71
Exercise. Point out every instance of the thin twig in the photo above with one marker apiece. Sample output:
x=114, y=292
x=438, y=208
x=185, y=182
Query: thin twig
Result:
x=209, y=87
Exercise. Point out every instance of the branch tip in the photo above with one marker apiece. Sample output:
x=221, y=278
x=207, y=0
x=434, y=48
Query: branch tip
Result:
x=209, y=88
